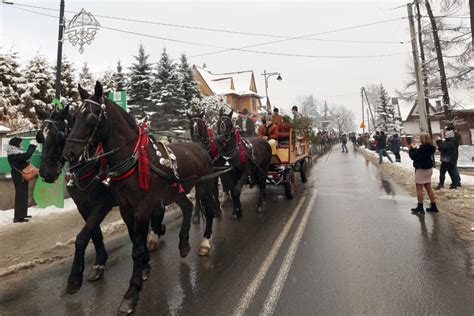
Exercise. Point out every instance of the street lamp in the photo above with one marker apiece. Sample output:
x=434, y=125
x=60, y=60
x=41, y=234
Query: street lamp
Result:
x=267, y=75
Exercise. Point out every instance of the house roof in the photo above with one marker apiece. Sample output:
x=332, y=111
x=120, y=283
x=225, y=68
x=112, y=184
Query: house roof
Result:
x=4, y=129
x=239, y=83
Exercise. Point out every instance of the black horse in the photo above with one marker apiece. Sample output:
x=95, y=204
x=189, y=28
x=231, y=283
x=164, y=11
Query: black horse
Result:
x=249, y=158
x=202, y=134
x=174, y=171
x=92, y=198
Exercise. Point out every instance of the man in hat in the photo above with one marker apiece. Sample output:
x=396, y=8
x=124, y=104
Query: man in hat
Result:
x=18, y=160
x=245, y=124
x=276, y=117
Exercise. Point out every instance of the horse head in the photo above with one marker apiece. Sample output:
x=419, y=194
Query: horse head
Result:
x=225, y=127
x=198, y=127
x=90, y=124
x=52, y=136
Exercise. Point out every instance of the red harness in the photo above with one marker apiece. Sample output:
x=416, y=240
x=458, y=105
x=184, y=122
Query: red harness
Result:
x=238, y=141
x=214, y=152
x=143, y=161
x=102, y=164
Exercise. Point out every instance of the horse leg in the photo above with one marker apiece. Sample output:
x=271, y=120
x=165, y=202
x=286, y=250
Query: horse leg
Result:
x=205, y=245
x=187, y=209
x=139, y=254
x=236, y=190
x=197, y=212
x=93, y=220
x=262, y=183
x=215, y=194
x=157, y=228
x=98, y=268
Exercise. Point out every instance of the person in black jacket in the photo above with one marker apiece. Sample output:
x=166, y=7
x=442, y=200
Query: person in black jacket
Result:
x=449, y=159
x=395, y=147
x=423, y=162
x=245, y=124
x=382, y=146
x=18, y=160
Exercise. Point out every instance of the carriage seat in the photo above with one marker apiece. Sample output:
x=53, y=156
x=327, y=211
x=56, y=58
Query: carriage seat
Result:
x=284, y=135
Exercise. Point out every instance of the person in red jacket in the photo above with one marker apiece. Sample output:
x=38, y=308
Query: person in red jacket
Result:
x=262, y=129
x=272, y=129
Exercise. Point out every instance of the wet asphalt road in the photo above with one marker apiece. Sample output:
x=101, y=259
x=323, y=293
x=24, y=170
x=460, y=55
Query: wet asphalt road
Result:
x=347, y=244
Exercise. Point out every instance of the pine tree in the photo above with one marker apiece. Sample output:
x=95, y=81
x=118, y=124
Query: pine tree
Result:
x=168, y=109
x=11, y=87
x=119, y=79
x=140, y=84
x=85, y=78
x=385, y=111
x=107, y=81
x=189, y=88
x=38, y=88
x=68, y=83
x=10, y=77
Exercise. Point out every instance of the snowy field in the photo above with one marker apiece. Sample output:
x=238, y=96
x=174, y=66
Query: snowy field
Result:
x=38, y=214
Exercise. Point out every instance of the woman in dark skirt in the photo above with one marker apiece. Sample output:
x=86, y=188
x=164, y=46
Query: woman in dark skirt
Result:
x=18, y=160
x=423, y=162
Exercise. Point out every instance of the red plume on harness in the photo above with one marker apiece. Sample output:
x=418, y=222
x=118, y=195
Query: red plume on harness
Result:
x=212, y=142
x=238, y=140
x=143, y=162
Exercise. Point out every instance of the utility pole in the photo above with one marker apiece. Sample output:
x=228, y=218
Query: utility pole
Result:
x=370, y=108
x=60, y=50
x=362, y=99
x=471, y=9
x=423, y=68
x=419, y=79
x=439, y=55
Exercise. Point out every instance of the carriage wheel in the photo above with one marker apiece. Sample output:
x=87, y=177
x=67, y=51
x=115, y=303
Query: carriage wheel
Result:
x=303, y=168
x=289, y=184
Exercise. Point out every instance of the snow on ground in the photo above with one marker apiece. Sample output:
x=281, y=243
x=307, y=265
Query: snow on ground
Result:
x=37, y=213
x=407, y=163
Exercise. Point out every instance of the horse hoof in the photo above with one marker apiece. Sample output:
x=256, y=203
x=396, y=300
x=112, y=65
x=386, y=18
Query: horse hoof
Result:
x=203, y=251
x=96, y=273
x=184, y=249
x=196, y=219
x=146, y=272
x=153, y=240
x=237, y=214
x=74, y=284
x=127, y=306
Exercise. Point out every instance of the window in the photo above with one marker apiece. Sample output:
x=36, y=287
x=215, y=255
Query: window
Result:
x=254, y=105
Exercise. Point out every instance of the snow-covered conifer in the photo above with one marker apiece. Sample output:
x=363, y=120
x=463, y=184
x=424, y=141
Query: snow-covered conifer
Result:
x=140, y=84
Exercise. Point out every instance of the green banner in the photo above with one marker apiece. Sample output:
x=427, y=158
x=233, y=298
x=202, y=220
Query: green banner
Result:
x=46, y=194
x=119, y=97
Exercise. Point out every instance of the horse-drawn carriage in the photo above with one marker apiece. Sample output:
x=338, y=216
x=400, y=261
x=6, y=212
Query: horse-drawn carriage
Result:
x=289, y=154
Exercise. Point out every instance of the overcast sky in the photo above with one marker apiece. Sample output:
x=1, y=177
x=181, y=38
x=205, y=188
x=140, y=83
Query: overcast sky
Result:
x=335, y=80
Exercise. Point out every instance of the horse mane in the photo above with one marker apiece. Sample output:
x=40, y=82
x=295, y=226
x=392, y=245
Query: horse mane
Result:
x=123, y=113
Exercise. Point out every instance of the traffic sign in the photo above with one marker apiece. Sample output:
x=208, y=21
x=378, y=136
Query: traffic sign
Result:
x=362, y=125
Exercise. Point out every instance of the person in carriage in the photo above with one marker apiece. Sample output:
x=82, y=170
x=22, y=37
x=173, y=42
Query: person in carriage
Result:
x=245, y=124
x=276, y=117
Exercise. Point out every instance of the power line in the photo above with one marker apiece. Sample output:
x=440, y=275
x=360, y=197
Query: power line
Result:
x=218, y=30
x=300, y=37
x=232, y=49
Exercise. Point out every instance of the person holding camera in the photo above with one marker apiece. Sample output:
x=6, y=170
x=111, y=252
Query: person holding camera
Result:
x=423, y=162
x=22, y=172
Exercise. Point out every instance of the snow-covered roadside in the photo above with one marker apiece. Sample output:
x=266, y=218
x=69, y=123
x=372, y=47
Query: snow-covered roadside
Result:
x=37, y=213
x=457, y=205
x=407, y=164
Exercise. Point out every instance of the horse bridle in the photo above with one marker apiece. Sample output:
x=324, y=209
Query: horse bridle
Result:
x=102, y=114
